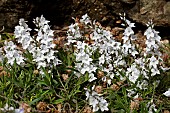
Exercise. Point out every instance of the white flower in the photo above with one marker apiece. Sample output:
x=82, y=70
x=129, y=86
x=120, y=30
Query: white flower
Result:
x=130, y=92
x=86, y=59
x=26, y=41
x=109, y=81
x=142, y=85
x=41, y=64
x=91, y=77
x=39, y=36
x=96, y=101
x=72, y=28
x=9, y=45
x=86, y=68
x=149, y=33
x=22, y=22
x=85, y=19
x=150, y=42
x=22, y=34
x=128, y=31
x=1, y=55
x=125, y=38
x=133, y=73
x=157, y=37
x=19, y=110
x=6, y=108
x=46, y=39
x=167, y=93
x=129, y=23
x=134, y=53
x=126, y=47
x=43, y=52
x=44, y=49
x=133, y=78
x=81, y=45
x=39, y=22
x=115, y=45
x=19, y=58
x=104, y=79
x=50, y=56
x=152, y=108
x=154, y=71
x=12, y=53
x=153, y=62
x=107, y=34
x=73, y=33
x=165, y=68
x=153, y=41
x=150, y=24
x=101, y=59
x=103, y=105
x=18, y=31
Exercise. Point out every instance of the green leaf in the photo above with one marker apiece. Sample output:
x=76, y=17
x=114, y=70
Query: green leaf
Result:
x=42, y=83
x=45, y=92
x=35, y=100
x=58, y=101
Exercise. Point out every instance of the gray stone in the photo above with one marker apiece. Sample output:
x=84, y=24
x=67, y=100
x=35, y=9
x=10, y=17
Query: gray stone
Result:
x=11, y=11
x=60, y=12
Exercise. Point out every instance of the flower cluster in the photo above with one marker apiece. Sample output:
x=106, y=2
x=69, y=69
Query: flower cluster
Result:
x=103, y=41
x=22, y=34
x=100, y=51
x=100, y=59
x=83, y=51
x=8, y=109
x=153, y=40
x=147, y=62
x=41, y=46
x=84, y=62
x=96, y=100
x=128, y=38
x=13, y=54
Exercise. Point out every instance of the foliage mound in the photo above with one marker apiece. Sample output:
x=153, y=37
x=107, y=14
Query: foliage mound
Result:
x=95, y=71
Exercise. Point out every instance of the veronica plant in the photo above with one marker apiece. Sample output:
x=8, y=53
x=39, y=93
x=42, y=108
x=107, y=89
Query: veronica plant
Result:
x=40, y=46
x=108, y=72
x=100, y=52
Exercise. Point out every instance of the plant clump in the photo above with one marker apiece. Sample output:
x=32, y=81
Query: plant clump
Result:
x=93, y=71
